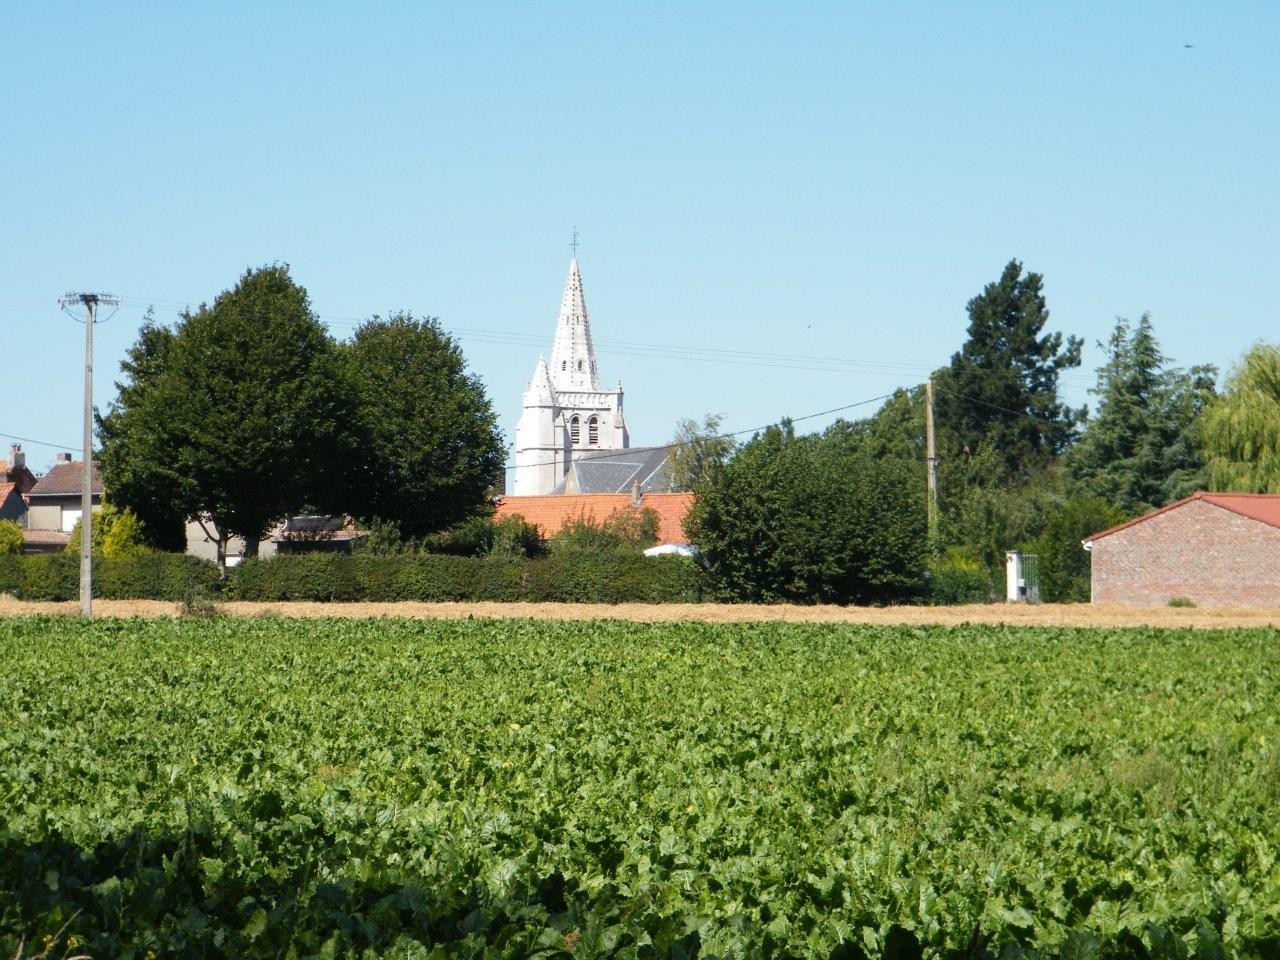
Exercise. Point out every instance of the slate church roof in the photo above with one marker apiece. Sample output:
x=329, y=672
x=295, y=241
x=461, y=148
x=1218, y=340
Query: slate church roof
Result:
x=617, y=471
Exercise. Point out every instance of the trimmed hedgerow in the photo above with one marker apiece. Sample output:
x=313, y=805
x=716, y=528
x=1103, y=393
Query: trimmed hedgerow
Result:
x=571, y=577
x=143, y=575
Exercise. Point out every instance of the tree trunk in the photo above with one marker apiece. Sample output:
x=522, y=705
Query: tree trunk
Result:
x=222, y=555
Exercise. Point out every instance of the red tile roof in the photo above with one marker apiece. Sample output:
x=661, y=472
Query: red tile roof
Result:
x=64, y=479
x=5, y=490
x=1263, y=507
x=550, y=513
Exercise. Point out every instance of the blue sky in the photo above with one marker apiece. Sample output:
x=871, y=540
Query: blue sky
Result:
x=799, y=180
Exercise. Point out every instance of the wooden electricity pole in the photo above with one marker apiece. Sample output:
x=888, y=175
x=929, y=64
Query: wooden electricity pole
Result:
x=931, y=461
x=90, y=302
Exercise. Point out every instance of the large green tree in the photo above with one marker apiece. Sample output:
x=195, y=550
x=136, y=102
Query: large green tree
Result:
x=236, y=418
x=811, y=519
x=1241, y=429
x=1001, y=388
x=430, y=449
x=1141, y=450
x=138, y=441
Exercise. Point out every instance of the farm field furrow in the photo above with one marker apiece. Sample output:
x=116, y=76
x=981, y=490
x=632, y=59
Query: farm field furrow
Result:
x=512, y=788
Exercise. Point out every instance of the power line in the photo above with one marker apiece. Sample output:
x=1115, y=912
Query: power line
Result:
x=661, y=351
x=607, y=454
x=42, y=443
x=996, y=406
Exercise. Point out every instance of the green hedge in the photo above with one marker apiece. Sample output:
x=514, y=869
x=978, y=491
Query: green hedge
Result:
x=145, y=575
x=571, y=577
x=585, y=578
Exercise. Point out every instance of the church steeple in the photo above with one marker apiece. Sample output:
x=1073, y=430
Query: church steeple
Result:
x=573, y=357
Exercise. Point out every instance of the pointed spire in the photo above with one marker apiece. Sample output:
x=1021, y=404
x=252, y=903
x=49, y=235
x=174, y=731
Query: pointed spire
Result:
x=573, y=357
x=539, y=392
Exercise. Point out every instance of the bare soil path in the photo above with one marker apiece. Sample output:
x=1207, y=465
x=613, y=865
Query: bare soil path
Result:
x=1054, y=615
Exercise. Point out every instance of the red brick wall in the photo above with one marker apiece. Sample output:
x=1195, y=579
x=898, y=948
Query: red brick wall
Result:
x=1199, y=551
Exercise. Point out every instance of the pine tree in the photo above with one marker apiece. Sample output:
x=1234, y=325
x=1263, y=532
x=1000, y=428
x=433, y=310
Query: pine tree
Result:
x=1002, y=387
x=1140, y=450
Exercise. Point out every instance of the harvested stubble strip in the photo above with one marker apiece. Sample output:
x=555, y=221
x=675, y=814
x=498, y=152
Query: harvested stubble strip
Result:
x=1046, y=615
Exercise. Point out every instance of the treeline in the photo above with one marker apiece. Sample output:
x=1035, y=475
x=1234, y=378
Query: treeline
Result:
x=247, y=411
x=841, y=516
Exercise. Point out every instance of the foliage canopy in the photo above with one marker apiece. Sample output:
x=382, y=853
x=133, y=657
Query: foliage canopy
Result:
x=1242, y=427
x=236, y=418
x=812, y=519
x=428, y=448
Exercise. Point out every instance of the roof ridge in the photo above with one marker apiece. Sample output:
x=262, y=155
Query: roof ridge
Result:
x=1213, y=499
x=1261, y=496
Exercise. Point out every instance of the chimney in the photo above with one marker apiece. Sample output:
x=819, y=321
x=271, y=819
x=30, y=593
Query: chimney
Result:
x=17, y=459
x=636, y=496
x=64, y=458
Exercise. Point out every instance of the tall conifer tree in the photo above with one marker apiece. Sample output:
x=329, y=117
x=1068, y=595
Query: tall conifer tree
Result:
x=1140, y=450
x=1001, y=389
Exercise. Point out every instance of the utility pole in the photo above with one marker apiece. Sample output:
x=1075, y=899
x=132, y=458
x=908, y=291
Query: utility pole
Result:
x=931, y=461
x=91, y=303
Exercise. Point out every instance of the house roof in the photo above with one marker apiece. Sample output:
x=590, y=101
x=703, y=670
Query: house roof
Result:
x=615, y=471
x=551, y=512
x=64, y=479
x=19, y=476
x=1262, y=507
x=45, y=538
x=6, y=489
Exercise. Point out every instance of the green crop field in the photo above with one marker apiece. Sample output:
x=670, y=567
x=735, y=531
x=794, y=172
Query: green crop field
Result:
x=207, y=788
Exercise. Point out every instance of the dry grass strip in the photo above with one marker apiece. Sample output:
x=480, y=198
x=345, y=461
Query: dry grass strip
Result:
x=1043, y=615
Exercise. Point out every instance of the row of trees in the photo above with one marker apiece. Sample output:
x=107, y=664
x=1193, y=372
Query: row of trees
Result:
x=247, y=411
x=840, y=515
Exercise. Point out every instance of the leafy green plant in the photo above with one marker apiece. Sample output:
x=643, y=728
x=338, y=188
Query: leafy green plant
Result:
x=631, y=530
x=506, y=789
x=958, y=577
x=117, y=532
x=10, y=538
x=1181, y=602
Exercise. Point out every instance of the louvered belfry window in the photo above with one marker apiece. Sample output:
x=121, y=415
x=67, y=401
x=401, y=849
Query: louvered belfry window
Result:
x=574, y=430
x=593, y=431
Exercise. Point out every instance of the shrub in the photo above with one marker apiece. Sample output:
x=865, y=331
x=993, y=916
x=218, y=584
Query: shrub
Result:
x=10, y=538
x=958, y=577
x=631, y=529
x=116, y=532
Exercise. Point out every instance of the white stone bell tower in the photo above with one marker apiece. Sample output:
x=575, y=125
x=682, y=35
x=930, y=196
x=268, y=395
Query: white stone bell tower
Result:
x=566, y=415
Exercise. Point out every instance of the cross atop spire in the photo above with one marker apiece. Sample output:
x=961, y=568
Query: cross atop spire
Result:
x=574, y=243
x=573, y=357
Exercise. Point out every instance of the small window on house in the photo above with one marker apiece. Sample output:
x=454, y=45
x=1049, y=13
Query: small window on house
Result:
x=574, y=430
x=593, y=431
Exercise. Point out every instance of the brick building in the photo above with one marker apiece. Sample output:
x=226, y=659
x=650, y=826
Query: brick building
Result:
x=1214, y=549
